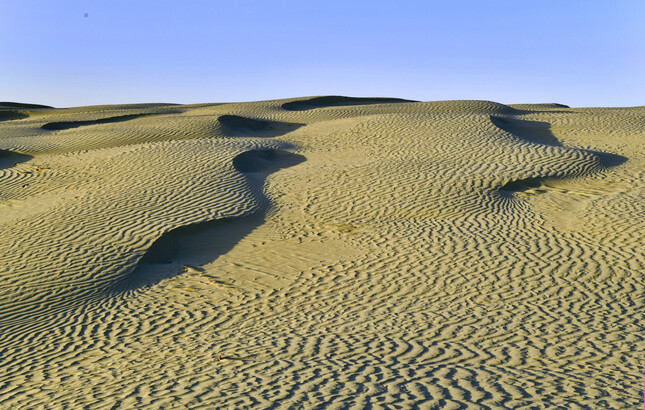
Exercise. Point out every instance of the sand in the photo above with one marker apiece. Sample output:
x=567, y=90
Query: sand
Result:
x=322, y=251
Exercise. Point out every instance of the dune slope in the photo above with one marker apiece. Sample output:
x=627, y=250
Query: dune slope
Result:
x=322, y=251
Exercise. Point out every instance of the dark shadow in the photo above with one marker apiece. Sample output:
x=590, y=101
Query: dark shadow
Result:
x=202, y=243
x=265, y=161
x=7, y=104
x=6, y=115
x=338, y=101
x=191, y=245
x=521, y=185
x=237, y=125
x=538, y=132
x=607, y=159
x=64, y=125
x=9, y=159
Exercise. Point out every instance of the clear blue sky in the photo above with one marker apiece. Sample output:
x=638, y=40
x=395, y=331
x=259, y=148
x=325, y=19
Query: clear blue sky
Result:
x=576, y=52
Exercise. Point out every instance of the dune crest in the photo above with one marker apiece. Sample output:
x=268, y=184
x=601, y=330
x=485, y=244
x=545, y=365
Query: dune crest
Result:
x=322, y=251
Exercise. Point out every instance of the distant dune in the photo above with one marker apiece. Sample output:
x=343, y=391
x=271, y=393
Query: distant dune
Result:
x=322, y=251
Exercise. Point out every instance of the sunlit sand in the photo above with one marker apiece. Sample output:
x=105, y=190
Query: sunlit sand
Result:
x=322, y=251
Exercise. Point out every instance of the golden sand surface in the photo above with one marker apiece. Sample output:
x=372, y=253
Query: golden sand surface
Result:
x=322, y=252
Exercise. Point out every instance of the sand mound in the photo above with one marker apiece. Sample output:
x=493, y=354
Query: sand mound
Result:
x=539, y=107
x=472, y=107
x=322, y=251
x=337, y=101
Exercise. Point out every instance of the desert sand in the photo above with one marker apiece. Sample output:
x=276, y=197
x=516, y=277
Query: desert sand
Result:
x=322, y=251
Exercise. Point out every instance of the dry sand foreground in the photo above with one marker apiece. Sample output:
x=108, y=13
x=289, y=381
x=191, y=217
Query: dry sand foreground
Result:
x=322, y=252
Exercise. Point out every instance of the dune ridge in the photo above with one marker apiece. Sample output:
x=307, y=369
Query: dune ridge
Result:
x=7, y=104
x=336, y=101
x=322, y=251
x=64, y=125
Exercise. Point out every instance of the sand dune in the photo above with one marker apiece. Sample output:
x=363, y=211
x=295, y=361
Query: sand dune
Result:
x=335, y=101
x=65, y=125
x=322, y=251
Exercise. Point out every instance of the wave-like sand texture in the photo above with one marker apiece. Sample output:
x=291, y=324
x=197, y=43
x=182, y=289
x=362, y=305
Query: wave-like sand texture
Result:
x=322, y=251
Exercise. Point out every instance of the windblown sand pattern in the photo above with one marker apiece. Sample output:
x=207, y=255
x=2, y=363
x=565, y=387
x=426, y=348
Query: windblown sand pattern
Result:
x=322, y=251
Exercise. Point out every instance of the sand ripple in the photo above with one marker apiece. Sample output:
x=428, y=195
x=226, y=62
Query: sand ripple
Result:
x=322, y=251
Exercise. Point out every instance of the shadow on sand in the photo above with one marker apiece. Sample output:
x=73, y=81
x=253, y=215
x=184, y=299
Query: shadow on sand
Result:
x=9, y=159
x=539, y=132
x=190, y=246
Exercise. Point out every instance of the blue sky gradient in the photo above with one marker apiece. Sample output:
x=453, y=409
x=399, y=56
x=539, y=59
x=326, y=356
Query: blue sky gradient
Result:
x=580, y=53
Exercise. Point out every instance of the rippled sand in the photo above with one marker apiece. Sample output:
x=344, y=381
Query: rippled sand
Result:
x=323, y=251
